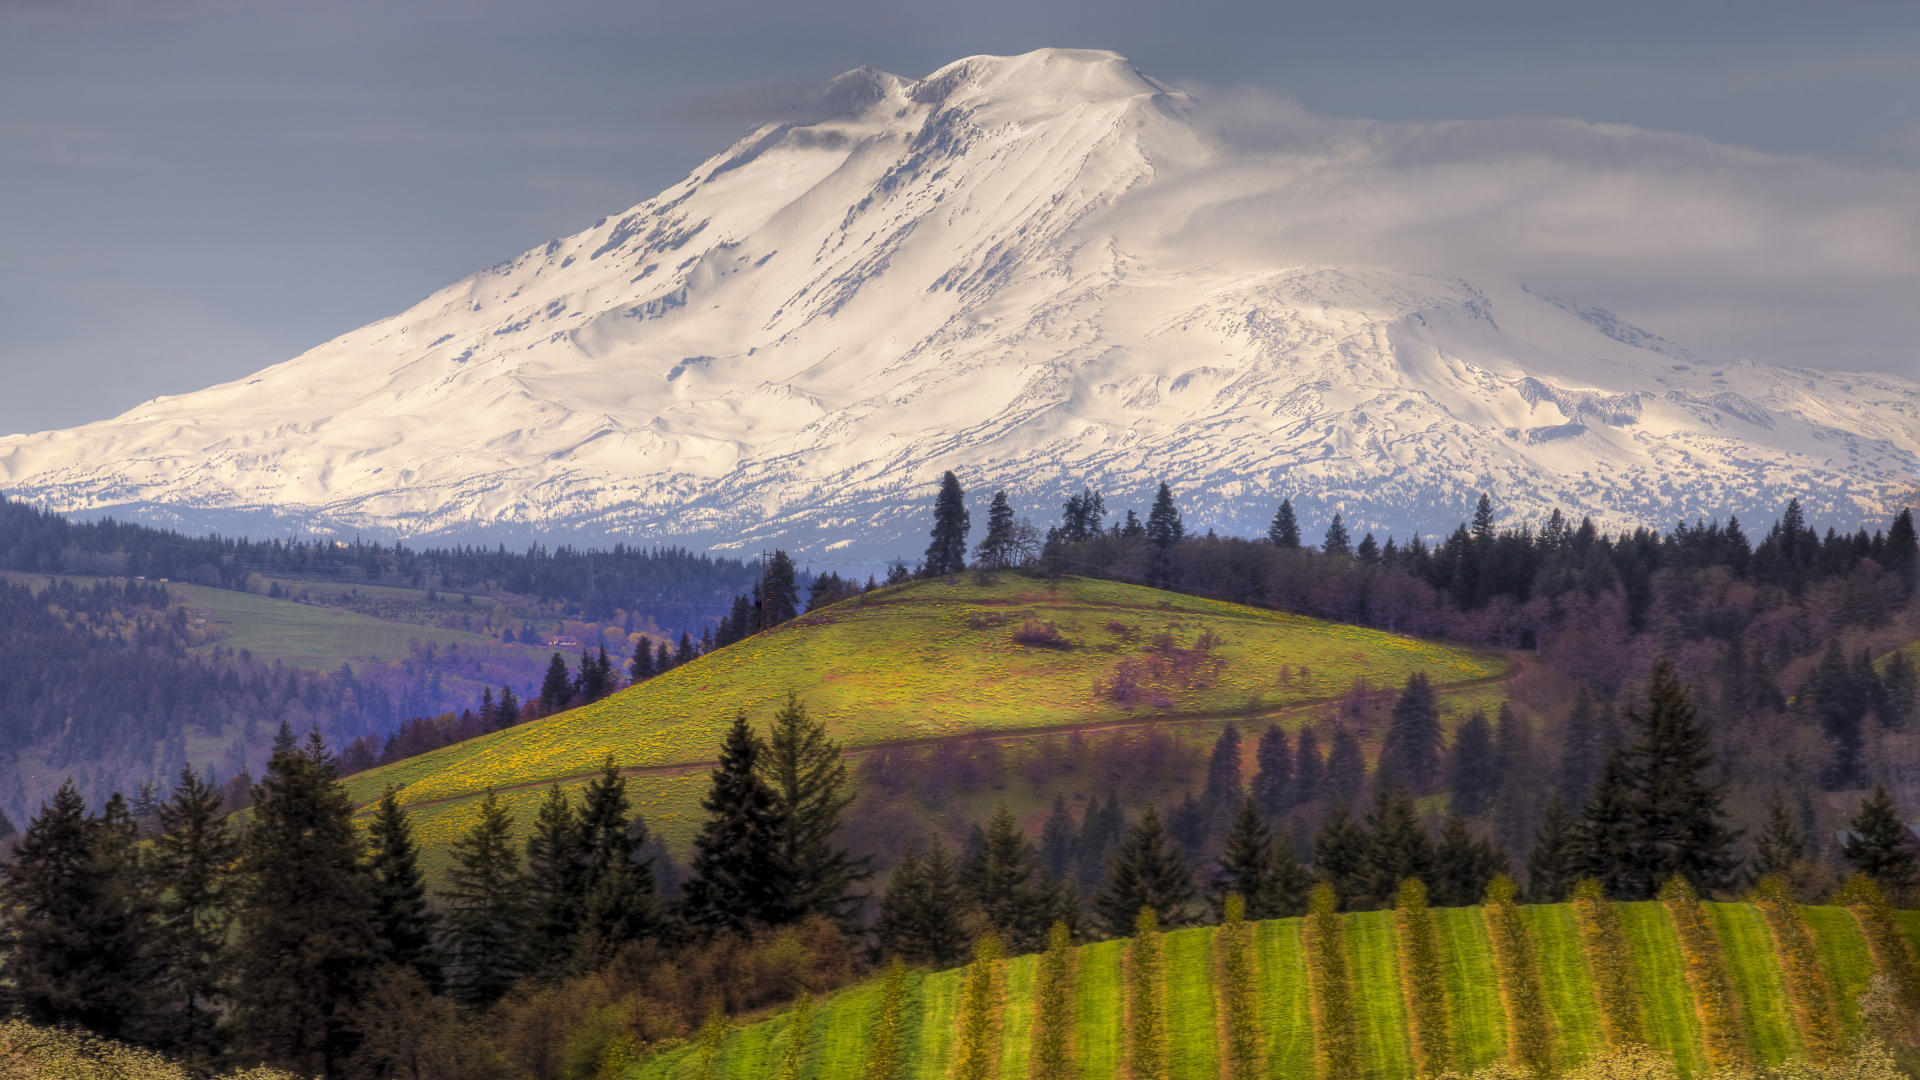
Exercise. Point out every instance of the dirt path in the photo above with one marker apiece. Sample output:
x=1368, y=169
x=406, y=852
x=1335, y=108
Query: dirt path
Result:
x=1516, y=666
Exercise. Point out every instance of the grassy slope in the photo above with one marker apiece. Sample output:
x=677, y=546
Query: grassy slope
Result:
x=926, y=659
x=838, y=1034
x=1844, y=959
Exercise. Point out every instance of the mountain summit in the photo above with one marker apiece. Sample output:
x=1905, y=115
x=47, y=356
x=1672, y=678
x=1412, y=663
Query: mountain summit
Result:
x=994, y=269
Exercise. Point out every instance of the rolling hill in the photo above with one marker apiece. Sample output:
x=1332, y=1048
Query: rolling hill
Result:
x=927, y=661
x=1288, y=1001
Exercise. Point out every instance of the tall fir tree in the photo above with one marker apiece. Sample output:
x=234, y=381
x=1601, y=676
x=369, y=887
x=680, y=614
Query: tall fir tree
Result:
x=403, y=922
x=947, y=550
x=1340, y=854
x=1057, y=838
x=1346, y=772
x=995, y=551
x=1781, y=846
x=486, y=909
x=923, y=912
x=1410, y=752
x=1146, y=870
x=306, y=943
x=556, y=882
x=1224, y=791
x=1285, y=530
x=1583, y=747
x=736, y=861
x=1679, y=825
x=1463, y=864
x=1517, y=761
x=620, y=903
x=77, y=950
x=1002, y=878
x=1878, y=845
x=1258, y=868
x=811, y=791
x=1337, y=542
x=1309, y=767
x=192, y=863
x=556, y=690
x=1273, y=773
x=1164, y=529
x=1551, y=865
x=780, y=592
x=1603, y=839
x=1472, y=778
x=1398, y=847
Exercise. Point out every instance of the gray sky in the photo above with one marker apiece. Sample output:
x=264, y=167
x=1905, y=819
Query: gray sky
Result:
x=194, y=189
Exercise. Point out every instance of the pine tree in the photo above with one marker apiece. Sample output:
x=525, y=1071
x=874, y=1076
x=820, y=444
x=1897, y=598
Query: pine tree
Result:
x=1308, y=767
x=995, y=551
x=1582, y=748
x=1145, y=871
x=1398, y=847
x=811, y=791
x=1517, y=763
x=1551, y=865
x=1285, y=530
x=1002, y=879
x=486, y=909
x=1340, y=854
x=1164, y=530
x=509, y=707
x=922, y=914
x=1224, y=791
x=1273, y=775
x=556, y=882
x=780, y=594
x=1057, y=841
x=192, y=860
x=1100, y=829
x=687, y=650
x=1463, y=865
x=1604, y=838
x=620, y=902
x=557, y=688
x=641, y=667
x=1781, y=847
x=402, y=921
x=1471, y=775
x=1336, y=542
x=1876, y=846
x=1410, y=753
x=1679, y=826
x=78, y=951
x=947, y=552
x=736, y=867
x=1346, y=768
x=1256, y=868
x=306, y=943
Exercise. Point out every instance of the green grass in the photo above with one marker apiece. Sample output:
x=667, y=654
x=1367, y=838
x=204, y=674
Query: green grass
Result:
x=1192, y=1032
x=1287, y=1014
x=925, y=660
x=1380, y=1012
x=1844, y=959
x=1748, y=945
x=838, y=1036
x=1478, y=1020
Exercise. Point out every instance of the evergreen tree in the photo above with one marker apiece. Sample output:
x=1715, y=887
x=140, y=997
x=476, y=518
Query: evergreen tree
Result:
x=1336, y=542
x=1308, y=767
x=1346, y=768
x=1057, y=841
x=687, y=650
x=1285, y=530
x=1224, y=792
x=1471, y=775
x=1877, y=846
x=1516, y=805
x=780, y=593
x=1604, y=839
x=1551, y=865
x=641, y=667
x=1841, y=707
x=1002, y=879
x=736, y=867
x=402, y=922
x=811, y=791
x=922, y=914
x=1340, y=854
x=1100, y=829
x=1145, y=871
x=1679, y=826
x=1782, y=847
x=1262, y=871
x=621, y=903
x=77, y=947
x=306, y=943
x=1410, y=753
x=509, y=707
x=1164, y=530
x=1398, y=848
x=556, y=882
x=1463, y=864
x=947, y=552
x=486, y=909
x=995, y=550
x=557, y=688
x=1273, y=775
x=192, y=860
x=1583, y=746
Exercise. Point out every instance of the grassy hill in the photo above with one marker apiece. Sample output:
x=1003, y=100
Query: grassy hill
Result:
x=1288, y=1001
x=930, y=660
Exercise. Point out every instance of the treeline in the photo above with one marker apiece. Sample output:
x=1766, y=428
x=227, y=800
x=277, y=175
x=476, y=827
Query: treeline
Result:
x=676, y=587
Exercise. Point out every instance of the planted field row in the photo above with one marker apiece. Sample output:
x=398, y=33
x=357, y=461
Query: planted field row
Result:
x=1374, y=995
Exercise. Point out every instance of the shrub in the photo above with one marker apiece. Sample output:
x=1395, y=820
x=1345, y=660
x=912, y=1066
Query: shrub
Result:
x=1707, y=974
x=1807, y=987
x=29, y=1052
x=1052, y=1057
x=1530, y=1038
x=978, y=1048
x=1422, y=978
x=1604, y=941
x=1239, y=990
x=1147, y=1049
x=1041, y=635
x=1325, y=938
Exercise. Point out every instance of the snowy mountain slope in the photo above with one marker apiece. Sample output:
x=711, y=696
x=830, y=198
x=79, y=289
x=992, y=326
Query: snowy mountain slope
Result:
x=791, y=343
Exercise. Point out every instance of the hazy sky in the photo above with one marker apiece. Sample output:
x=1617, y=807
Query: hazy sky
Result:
x=194, y=189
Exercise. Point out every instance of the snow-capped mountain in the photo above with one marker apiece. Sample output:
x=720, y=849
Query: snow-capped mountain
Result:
x=988, y=270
